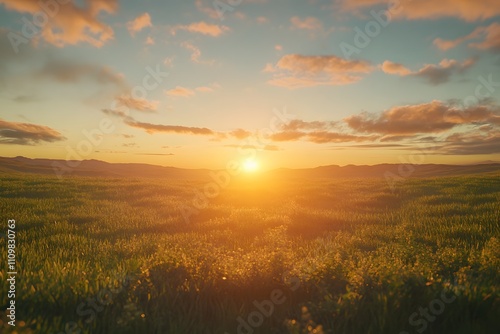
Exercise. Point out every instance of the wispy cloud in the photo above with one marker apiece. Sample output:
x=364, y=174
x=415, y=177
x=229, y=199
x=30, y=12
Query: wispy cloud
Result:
x=472, y=143
x=240, y=134
x=467, y=10
x=296, y=71
x=262, y=19
x=27, y=133
x=206, y=7
x=180, y=91
x=186, y=92
x=139, y=23
x=318, y=132
x=432, y=117
x=139, y=104
x=203, y=28
x=308, y=23
x=195, y=53
x=204, y=89
x=298, y=124
x=159, y=154
x=390, y=67
x=72, y=24
x=434, y=74
x=153, y=128
x=403, y=125
x=158, y=128
x=264, y=148
x=487, y=38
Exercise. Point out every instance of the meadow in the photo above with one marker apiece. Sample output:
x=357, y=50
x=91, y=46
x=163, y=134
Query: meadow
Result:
x=114, y=255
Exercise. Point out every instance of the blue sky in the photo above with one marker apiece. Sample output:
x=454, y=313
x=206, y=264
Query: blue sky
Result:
x=418, y=87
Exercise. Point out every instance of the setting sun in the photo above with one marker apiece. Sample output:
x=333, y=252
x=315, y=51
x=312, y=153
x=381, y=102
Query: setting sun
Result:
x=250, y=166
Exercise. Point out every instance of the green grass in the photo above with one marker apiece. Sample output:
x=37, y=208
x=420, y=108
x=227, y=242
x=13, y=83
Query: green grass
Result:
x=349, y=256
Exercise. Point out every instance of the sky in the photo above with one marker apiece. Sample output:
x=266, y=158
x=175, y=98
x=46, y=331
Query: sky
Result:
x=196, y=84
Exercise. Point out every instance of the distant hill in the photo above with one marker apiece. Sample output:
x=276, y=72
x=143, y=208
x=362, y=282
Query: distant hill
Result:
x=388, y=170
x=95, y=168
x=105, y=169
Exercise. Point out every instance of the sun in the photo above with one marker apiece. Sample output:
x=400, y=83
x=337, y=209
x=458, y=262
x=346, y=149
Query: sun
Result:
x=250, y=165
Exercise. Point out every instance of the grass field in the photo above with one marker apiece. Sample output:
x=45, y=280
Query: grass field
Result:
x=100, y=255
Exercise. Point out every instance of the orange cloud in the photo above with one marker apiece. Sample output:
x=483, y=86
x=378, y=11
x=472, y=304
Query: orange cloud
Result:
x=322, y=64
x=207, y=89
x=240, y=134
x=491, y=39
x=321, y=137
x=204, y=89
x=139, y=23
x=70, y=23
x=202, y=28
x=477, y=142
x=318, y=132
x=186, y=92
x=403, y=123
x=262, y=19
x=489, y=35
x=180, y=91
x=195, y=53
x=247, y=147
x=269, y=68
x=154, y=128
x=393, y=138
x=467, y=10
x=137, y=104
x=433, y=117
x=400, y=123
x=169, y=61
x=298, y=124
x=298, y=82
x=287, y=135
x=240, y=15
x=295, y=71
x=207, y=8
x=308, y=23
x=27, y=133
x=450, y=44
x=434, y=74
x=394, y=68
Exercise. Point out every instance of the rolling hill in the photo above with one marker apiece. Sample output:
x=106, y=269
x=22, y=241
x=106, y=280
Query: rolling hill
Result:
x=105, y=169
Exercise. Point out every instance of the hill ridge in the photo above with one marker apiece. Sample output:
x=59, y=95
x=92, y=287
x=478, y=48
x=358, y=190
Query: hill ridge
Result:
x=94, y=167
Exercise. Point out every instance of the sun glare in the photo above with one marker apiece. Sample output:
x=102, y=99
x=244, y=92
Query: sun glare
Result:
x=250, y=166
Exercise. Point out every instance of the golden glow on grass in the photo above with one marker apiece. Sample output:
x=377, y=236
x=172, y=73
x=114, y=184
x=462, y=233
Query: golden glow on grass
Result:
x=250, y=166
